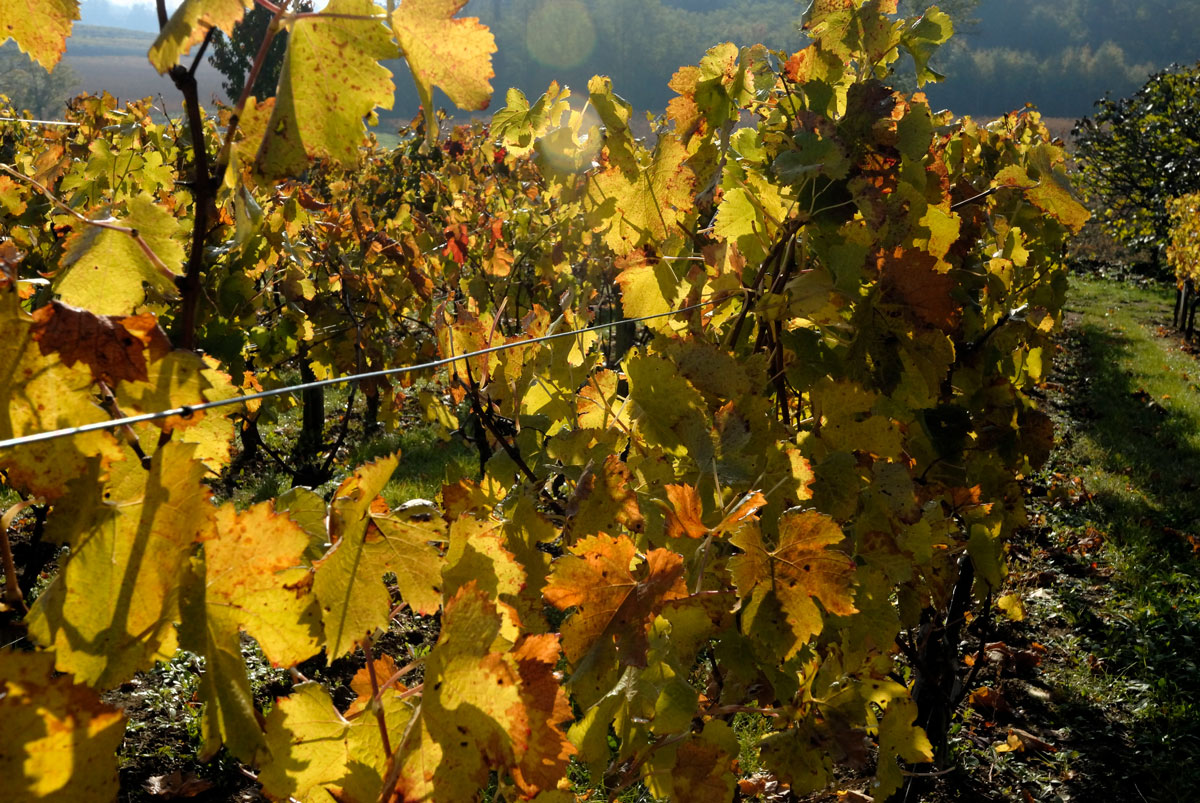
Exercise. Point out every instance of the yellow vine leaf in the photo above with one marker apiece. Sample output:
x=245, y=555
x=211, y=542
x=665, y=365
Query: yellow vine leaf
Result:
x=38, y=392
x=183, y=378
x=482, y=699
x=190, y=23
x=899, y=738
x=104, y=270
x=669, y=411
x=39, y=27
x=798, y=571
x=249, y=580
x=369, y=542
x=701, y=769
x=649, y=288
x=605, y=500
x=455, y=55
x=59, y=741
x=478, y=554
x=467, y=687
x=111, y=610
x=331, y=80
x=612, y=603
x=644, y=207
x=317, y=754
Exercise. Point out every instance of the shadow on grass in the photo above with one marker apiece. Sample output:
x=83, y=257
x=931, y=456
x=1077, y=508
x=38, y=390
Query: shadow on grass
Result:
x=1143, y=729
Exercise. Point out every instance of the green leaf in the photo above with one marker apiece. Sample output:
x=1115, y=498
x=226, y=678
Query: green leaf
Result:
x=922, y=39
x=519, y=125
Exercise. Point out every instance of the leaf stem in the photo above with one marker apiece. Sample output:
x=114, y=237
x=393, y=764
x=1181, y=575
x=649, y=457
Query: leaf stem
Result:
x=158, y=264
x=12, y=590
x=376, y=702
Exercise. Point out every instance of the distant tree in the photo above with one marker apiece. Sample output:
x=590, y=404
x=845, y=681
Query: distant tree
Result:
x=234, y=56
x=1137, y=153
x=30, y=87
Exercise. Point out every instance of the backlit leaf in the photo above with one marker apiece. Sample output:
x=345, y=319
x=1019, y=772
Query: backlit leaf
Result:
x=39, y=27
x=613, y=604
x=59, y=741
x=39, y=393
x=799, y=572
x=326, y=88
x=454, y=55
x=253, y=582
x=107, y=272
x=111, y=610
x=189, y=24
x=369, y=543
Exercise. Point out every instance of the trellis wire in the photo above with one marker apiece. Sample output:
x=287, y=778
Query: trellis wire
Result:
x=187, y=410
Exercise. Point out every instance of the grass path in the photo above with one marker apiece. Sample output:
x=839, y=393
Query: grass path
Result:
x=1097, y=689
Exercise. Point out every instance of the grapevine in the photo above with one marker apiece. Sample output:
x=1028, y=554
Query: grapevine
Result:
x=779, y=498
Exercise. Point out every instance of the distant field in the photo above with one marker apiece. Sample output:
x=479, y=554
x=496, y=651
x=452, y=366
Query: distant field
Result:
x=114, y=60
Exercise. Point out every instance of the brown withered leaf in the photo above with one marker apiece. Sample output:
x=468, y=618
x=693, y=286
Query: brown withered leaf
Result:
x=115, y=347
x=910, y=279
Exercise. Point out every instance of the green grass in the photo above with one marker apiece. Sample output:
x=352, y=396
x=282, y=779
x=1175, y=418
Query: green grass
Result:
x=1129, y=622
x=425, y=460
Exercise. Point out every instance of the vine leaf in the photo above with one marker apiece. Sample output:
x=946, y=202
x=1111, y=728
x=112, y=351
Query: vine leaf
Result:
x=478, y=554
x=104, y=270
x=899, y=738
x=113, y=347
x=59, y=741
x=39, y=27
x=613, y=604
x=700, y=769
x=249, y=579
x=474, y=711
x=110, y=612
x=519, y=125
x=910, y=279
x=313, y=747
x=604, y=499
x=545, y=761
x=922, y=39
x=368, y=543
x=801, y=569
x=327, y=87
x=190, y=23
x=685, y=512
x=38, y=392
x=455, y=55
x=644, y=207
